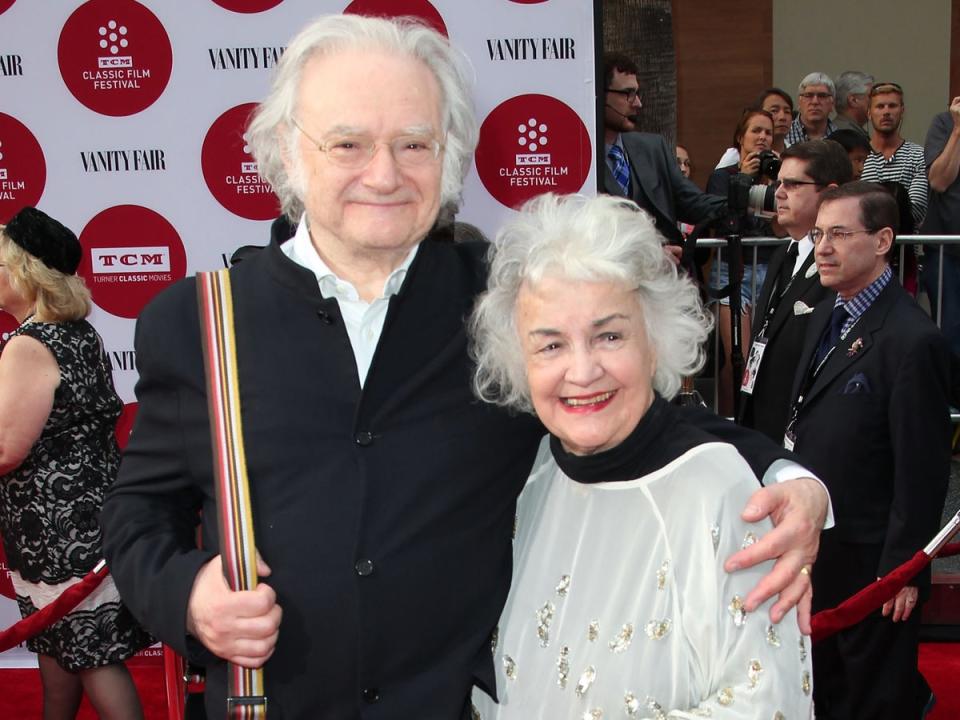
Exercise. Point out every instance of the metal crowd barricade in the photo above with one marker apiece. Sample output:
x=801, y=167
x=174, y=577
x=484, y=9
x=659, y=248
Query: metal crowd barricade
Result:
x=750, y=251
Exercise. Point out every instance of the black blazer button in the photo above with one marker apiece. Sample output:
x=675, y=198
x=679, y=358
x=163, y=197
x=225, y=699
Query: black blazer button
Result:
x=364, y=439
x=371, y=695
x=364, y=567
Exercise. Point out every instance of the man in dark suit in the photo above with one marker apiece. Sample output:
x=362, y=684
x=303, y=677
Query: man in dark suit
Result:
x=791, y=288
x=870, y=415
x=383, y=493
x=641, y=166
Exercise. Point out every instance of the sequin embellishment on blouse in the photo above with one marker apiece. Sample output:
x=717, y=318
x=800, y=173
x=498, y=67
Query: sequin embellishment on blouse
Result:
x=563, y=667
x=623, y=638
x=657, y=629
x=737, y=611
x=586, y=680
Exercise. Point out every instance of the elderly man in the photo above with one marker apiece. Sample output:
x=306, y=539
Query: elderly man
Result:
x=816, y=96
x=892, y=158
x=870, y=414
x=853, y=91
x=383, y=493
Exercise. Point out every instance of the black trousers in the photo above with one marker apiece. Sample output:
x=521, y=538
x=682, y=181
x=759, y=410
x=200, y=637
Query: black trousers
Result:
x=869, y=671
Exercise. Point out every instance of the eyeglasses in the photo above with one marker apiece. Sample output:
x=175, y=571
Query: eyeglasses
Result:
x=356, y=151
x=886, y=87
x=834, y=234
x=817, y=95
x=629, y=93
x=791, y=184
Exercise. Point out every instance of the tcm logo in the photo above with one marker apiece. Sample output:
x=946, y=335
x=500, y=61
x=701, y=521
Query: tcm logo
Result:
x=115, y=62
x=130, y=260
x=533, y=136
x=249, y=168
x=3, y=172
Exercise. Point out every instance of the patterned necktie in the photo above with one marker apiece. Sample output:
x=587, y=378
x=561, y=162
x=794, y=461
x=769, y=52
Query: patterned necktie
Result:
x=621, y=170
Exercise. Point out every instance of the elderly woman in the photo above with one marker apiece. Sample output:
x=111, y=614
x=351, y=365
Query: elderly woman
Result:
x=619, y=606
x=58, y=455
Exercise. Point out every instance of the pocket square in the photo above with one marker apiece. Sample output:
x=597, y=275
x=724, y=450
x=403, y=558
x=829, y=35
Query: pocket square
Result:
x=856, y=385
x=801, y=308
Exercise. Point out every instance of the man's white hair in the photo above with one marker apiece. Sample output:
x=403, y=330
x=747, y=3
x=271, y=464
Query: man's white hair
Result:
x=272, y=133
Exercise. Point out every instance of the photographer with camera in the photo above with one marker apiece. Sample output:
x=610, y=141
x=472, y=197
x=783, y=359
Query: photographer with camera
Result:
x=753, y=138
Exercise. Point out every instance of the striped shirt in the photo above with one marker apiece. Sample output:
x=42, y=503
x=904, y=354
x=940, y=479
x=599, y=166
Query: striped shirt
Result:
x=798, y=133
x=861, y=302
x=906, y=166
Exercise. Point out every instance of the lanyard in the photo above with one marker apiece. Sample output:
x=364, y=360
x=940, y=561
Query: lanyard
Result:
x=809, y=379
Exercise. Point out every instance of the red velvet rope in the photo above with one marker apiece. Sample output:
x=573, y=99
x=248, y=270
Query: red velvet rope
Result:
x=42, y=619
x=856, y=608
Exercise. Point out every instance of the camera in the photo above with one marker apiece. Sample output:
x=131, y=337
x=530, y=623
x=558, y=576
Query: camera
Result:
x=769, y=164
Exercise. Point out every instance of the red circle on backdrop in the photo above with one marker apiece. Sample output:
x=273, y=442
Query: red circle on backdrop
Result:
x=23, y=169
x=5, y=5
x=532, y=144
x=125, y=423
x=247, y=6
x=8, y=323
x=230, y=170
x=130, y=253
x=114, y=56
x=398, y=8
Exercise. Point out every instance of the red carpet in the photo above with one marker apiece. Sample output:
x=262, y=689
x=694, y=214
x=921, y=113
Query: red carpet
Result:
x=20, y=689
x=940, y=665
x=21, y=699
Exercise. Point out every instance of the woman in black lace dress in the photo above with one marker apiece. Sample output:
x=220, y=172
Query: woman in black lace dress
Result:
x=58, y=455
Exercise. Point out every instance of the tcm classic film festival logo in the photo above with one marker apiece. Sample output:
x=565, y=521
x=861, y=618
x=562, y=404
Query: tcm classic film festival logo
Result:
x=231, y=172
x=23, y=170
x=130, y=254
x=532, y=144
x=114, y=56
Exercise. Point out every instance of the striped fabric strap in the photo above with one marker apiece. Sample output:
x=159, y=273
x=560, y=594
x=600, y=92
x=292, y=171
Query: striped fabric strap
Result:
x=245, y=693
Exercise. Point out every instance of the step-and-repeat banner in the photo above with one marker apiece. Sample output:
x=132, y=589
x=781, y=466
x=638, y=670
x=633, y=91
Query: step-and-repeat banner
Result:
x=125, y=120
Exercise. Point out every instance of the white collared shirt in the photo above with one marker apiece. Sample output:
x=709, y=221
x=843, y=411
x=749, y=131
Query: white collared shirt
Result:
x=805, y=247
x=363, y=320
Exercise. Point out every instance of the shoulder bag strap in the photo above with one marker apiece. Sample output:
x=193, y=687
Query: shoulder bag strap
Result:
x=245, y=692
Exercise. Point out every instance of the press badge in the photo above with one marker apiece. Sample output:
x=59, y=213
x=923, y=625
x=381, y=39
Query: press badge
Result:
x=753, y=366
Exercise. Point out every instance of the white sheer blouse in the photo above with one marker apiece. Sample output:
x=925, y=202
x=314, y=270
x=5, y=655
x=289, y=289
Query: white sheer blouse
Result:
x=620, y=607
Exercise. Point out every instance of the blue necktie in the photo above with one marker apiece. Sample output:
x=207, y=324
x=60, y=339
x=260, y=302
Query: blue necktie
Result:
x=830, y=340
x=621, y=170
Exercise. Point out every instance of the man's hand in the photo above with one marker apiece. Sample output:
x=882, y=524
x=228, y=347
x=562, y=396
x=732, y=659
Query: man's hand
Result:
x=798, y=508
x=955, y=111
x=903, y=603
x=673, y=253
x=240, y=627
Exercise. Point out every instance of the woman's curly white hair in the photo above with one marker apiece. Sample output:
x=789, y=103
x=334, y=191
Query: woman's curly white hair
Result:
x=579, y=238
